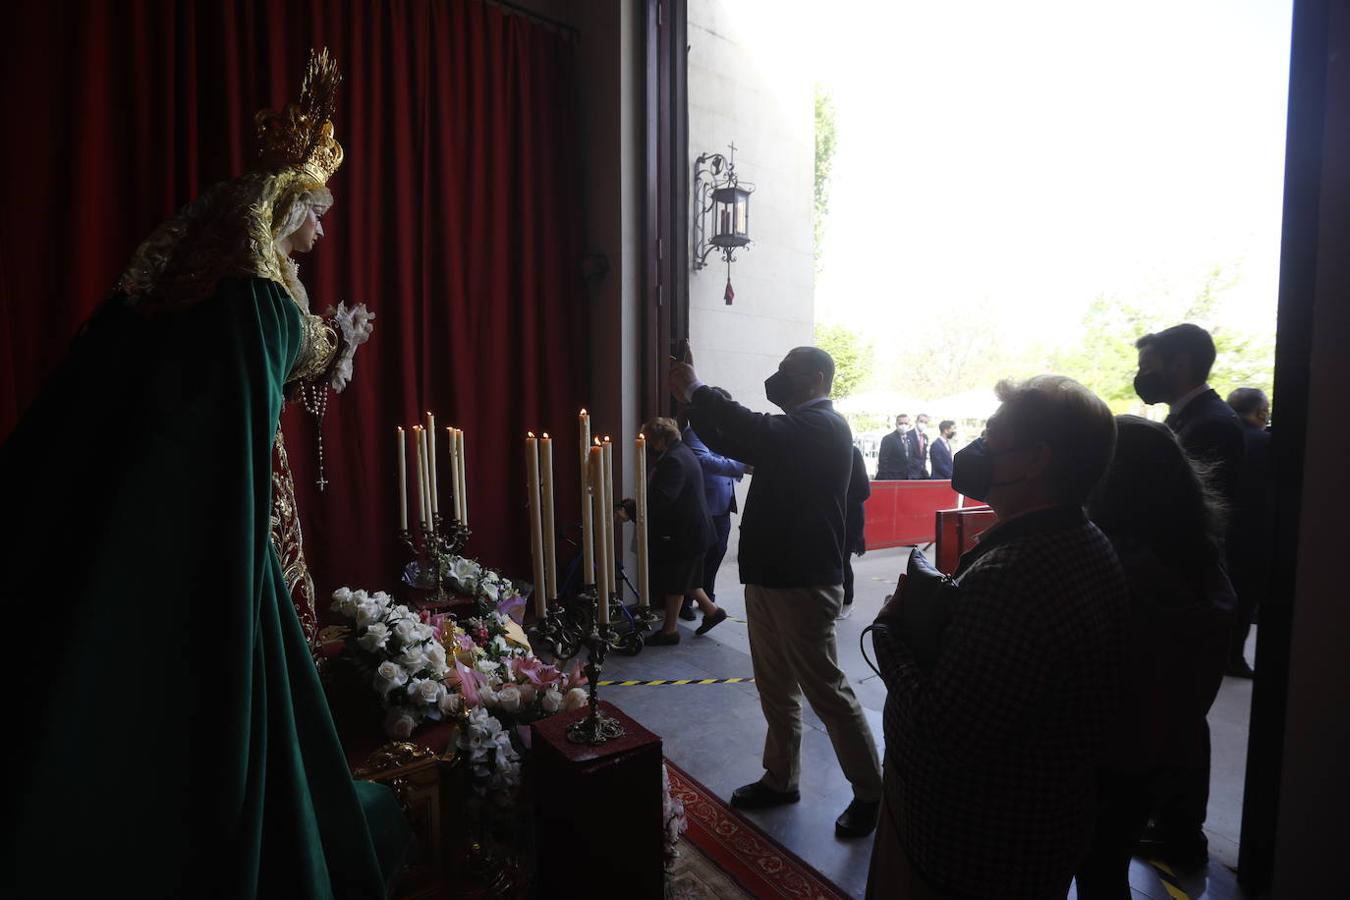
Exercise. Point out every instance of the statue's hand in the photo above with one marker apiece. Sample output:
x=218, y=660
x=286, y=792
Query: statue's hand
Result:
x=356, y=325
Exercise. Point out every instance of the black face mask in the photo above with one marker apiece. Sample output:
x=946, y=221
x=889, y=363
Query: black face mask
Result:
x=1151, y=387
x=784, y=388
x=973, y=471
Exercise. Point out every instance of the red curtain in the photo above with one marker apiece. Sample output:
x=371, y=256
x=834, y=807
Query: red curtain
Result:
x=455, y=221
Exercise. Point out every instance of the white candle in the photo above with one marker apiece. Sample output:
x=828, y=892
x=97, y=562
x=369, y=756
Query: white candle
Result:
x=431, y=462
x=426, y=476
x=463, y=478
x=640, y=501
x=587, y=538
x=420, y=494
x=402, y=480
x=454, y=471
x=609, y=513
x=550, y=536
x=597, y=495
x=536, y=525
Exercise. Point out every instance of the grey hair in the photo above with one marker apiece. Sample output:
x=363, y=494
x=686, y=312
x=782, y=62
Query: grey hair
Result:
x=1078, y=427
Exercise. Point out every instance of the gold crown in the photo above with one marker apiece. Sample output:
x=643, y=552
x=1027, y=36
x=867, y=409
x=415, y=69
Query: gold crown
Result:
x=301, y=135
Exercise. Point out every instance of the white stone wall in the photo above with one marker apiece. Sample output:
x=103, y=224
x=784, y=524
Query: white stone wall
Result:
x=747, y=84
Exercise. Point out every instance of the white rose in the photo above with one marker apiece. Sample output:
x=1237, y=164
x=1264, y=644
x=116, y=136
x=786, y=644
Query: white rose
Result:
x=342, y=599
x=436, y=660
x=376, y=636
x=399, y=724
x=552, y=701
x=368, y=612
x=388, y=676
x=508, y=698
x=413, y=658
x=383, y=599
x=527, y=693
x=450, y=703
x=488, y=696
x=424, y=690
x=576, y=698
x=489, y=590
x=405, y=630
x=486, y=666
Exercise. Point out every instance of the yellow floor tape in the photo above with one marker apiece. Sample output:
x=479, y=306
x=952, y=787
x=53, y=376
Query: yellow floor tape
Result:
x=1169, y=880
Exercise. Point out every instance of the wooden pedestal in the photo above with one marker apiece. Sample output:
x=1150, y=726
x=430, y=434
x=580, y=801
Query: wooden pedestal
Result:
x=597, y=811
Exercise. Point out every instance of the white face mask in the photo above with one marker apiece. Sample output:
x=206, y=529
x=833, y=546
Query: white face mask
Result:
x=903, y=429
x=923, y=426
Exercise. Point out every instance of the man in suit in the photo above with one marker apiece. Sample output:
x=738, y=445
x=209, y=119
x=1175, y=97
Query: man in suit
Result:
x=917, y=447
x=720, y=474
x=1253, y=529
x=792, y=565
x=941, y=451
x=679, y=530
x=893, y=460
x=1174, y=366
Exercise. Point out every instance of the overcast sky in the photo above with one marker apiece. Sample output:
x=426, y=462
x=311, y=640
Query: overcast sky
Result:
x=1027, y=156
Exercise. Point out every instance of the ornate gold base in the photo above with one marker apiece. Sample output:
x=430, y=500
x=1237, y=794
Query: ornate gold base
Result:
x=596, y=728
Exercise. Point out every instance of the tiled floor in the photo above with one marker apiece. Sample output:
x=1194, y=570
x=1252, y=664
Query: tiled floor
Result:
x=716, y=733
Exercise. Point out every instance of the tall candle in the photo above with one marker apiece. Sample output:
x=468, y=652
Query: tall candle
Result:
x=587, y=539
x=550, y=536
x=596, y=480
x=420, y=494
x=426, y=476
x=431, y=463
x=536, y=525
x=640, y=501
x=454, y=471
x=402, y=479
x=463, y=478
x=609, y=512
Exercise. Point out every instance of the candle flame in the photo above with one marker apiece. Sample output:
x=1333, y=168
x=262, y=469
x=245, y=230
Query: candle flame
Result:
x=530, y=435
x=583, y=411
x=545, y=435
x=400, y=428
x=597, y=442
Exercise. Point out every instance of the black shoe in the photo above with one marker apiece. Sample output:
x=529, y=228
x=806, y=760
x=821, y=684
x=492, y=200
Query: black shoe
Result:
x=1238, y=668
x=760, y=796
x=859, y=820
x=661, y=639
x=711, y=622
x=687, y=612
x=1183, y=853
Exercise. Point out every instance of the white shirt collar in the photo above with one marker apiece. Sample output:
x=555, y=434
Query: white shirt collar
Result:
x=1187, y=397
x=810, y=403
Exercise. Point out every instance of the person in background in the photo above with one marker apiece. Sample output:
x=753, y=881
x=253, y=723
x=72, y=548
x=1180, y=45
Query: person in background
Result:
x=679, y=529
x=916, y=445
x=720, y=474
x=792, y=565
x=991, y=753
x=893, y=460
x=1252, y=532
x=1166, y=525
x=941, y=451
x=1174, y=366
x=859, y=489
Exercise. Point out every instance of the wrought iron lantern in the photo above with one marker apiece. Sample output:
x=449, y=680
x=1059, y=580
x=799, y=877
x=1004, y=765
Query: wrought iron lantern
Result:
x=720, y=196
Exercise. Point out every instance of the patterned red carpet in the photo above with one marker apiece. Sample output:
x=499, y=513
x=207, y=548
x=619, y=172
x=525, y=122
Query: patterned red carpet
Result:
x=757, y=863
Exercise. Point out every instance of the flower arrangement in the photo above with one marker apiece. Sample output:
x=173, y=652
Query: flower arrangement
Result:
x=673, y=819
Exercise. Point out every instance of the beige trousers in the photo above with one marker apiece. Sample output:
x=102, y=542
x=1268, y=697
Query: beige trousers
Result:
x=793, y=651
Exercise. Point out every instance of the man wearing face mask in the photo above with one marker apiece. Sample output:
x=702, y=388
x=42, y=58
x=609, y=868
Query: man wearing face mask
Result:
x=990, y=752
x=792, y=564
x=1174, y=366
x=941, y=451
x=893, y=460
x=917, y=447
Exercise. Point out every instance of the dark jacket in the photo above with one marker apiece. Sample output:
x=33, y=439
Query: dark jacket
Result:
x=678, y=526
x=893, y=460
x=855, y=516
x=720, y=475
x=1210, y=431
x=916, y=454
x=941, y=455
x=994, y=750
x=792, y=529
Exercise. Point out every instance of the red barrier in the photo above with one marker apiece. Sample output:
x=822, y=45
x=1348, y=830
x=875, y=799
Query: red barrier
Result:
x=901, y=513
x=957, y=531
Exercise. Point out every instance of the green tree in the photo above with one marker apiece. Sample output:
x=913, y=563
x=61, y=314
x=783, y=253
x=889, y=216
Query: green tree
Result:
x=852, y=358
x=825, y=138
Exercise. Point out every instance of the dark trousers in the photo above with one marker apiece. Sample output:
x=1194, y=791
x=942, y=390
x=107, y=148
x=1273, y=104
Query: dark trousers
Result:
x=713, y=561
x=848, y=578
x=1250, y=573
x=1181, y=798
x=1122, y=812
